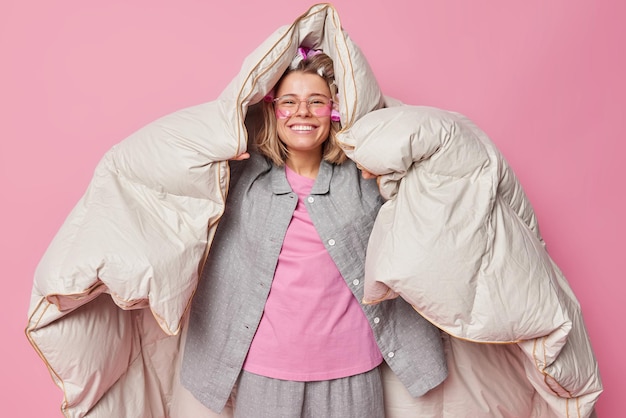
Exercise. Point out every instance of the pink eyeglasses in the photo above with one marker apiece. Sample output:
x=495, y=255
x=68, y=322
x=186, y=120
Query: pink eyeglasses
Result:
x=287, y=105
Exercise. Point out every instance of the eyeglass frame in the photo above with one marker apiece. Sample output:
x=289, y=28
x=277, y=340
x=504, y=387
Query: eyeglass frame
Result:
x=308, y=104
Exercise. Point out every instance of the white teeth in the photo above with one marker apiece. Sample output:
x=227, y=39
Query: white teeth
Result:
x=302, y=128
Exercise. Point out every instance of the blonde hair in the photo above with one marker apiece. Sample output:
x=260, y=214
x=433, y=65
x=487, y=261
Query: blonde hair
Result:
x=267, y=141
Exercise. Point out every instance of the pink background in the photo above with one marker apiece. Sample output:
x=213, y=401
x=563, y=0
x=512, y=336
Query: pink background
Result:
x=545, y=79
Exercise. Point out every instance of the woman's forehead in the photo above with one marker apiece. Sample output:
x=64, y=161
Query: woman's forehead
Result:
x=303, y=84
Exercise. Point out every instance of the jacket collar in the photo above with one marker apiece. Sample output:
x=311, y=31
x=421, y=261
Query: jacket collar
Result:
x=280, y=185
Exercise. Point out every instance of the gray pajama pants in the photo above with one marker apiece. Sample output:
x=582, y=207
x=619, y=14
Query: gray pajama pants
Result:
x=359, y=396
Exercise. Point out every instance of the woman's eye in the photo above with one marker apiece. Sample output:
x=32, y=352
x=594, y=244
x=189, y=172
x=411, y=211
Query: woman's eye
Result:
x=317, y=102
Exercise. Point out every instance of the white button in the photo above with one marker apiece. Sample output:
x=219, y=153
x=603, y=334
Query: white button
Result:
x=376, y=320
x=391, y=354
x=331, y=242
x=311, y=199
x=355, y=282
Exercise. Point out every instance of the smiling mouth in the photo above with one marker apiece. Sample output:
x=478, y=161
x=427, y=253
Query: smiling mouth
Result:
x=302, y=128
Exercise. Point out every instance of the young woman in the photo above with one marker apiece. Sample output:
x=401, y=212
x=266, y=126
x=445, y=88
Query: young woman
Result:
x=284, y=324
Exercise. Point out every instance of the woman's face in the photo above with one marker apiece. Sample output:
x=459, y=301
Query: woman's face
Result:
x=304, y=130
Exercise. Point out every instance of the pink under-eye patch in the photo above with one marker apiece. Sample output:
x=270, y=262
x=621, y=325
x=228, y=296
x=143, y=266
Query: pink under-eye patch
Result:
x=282, y=114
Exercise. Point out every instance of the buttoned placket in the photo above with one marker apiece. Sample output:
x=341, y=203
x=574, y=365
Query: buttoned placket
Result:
x=372, y=313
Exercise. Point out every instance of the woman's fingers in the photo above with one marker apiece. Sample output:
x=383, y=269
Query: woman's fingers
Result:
x=240, y=157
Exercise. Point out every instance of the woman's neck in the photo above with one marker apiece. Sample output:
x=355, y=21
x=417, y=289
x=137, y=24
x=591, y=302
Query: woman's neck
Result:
x=305, y=165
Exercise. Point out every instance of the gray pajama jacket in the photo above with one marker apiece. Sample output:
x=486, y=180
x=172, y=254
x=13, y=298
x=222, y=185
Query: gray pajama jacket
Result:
x=230, y=298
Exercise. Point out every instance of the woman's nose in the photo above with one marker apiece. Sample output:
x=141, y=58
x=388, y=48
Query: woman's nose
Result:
x=303, y=108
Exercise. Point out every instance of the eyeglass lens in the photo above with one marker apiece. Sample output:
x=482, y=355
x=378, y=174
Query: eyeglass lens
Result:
x=286, y=106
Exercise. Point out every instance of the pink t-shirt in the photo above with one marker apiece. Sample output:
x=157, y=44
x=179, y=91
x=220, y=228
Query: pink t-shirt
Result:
x=312, y=327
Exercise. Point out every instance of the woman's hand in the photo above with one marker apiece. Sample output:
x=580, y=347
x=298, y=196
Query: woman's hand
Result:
x=366, y=174
x=241, y=157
